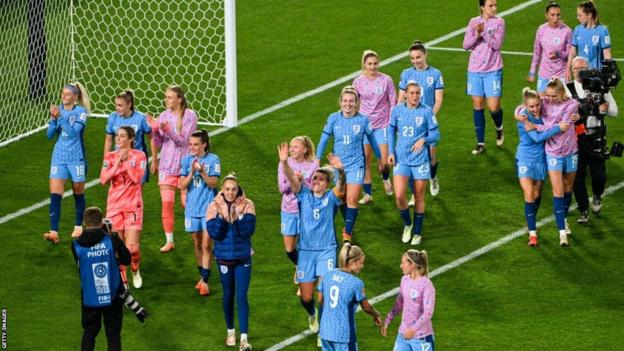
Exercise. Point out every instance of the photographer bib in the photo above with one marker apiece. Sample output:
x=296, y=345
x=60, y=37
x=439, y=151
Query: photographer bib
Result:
x=99, y=275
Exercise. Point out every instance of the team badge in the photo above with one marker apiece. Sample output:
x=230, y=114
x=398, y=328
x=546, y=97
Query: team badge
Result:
x=72, y=119
x=356, y=128
x=300, y=274
x=53, y=170
x=441, y=80
x=83, y=116
x=556, y=40
x=490, y=31
x=207, y=168
x=105, y=164
x=522, y=169
x=217, y=168
x=574, y=160
x=378, y=90
x=595, y=39
x=132, y=163
x=325, y=202
x=224, y=269
x=608, y=40
x=414, y=294
x=429, y=80
x=552, y=162
x=419, y=121
x=143, y=164
x=434, y=119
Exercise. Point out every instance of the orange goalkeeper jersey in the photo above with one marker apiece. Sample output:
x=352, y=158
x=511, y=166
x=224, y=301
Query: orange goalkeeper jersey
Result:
x=125, y=192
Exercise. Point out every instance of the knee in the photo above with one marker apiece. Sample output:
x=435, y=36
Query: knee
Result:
x=133, y=248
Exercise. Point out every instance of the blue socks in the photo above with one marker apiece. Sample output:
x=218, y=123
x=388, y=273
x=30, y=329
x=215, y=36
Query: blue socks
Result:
x=204, y=273
x=80, y=204
x=386, y=174
x=567, y=198
x=411, y=185
x=434, y=170
x=559, y=209
x=479, y=125
x=529, y=214
x=309, y=307
x=498, y=118
x=368, y=188
x=537, y=203
x=55, y=211
x=350, y=217
x=405, y=215
x=419, y=218
x=293, y=256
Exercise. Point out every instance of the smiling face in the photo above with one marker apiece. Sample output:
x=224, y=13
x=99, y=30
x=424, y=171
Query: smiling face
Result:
x=357, y=265
x=371, y=65
x=196, y=147
x=407, y=266
x=582, y=17
x=348, y=103
x=68, y=97
x=229, y=189
x=297, y=149
x=418, y=59
x=553, y=95
x=533, y=106
x=320, y=182
x=413, y=95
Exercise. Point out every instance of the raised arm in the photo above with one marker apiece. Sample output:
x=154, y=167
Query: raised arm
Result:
x=110, y=167
x=294, y=181
x=341, y=185
x=136, y=171
x=471, y=37
x=181, y=139
x=495, y=41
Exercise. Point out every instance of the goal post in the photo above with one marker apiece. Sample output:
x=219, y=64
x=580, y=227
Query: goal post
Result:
x=112, y=45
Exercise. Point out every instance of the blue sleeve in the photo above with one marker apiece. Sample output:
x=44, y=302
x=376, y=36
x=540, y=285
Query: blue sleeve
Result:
x=391, y=132
x=215, y=170
x=145, y=126
x=246, y=226
x=439, y=83
x=184, y=167
x=217, y=228
x=433, y=135
x=605, y=38
x=360, y=295
x=372, y=140
x=52, y=128
x=576, y=32
x=109, y=124
x=327, y=132
x=72, y=131
x=538, y=137
x=403, y=81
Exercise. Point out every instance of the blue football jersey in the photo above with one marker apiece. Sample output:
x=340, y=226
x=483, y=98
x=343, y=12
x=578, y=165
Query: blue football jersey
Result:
x=317, y=230
x=199, y=195
x=589, y=43
x=342, y=292
x=349, y=134
x=412, y=124
x=136, y=120
x=69, y=129
x=531, y=144
x=429, y=80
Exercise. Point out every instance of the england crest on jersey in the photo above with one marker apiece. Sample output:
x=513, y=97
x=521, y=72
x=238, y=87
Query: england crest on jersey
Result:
x=595, y=39
x=378, y=90
x=556, y=40
x=429, y=80
x=419, y=121
x=325, y=201
x=413, y=294
x=356, y=128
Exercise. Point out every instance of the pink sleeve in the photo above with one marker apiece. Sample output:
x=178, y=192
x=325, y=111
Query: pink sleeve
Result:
x=470, y=38
x=108, y=168
x=392, y=95
x=567, y=45
x=428, y=306
x=182, y=138
x=396, y=309
x=537, y=52
x=136, y=173
x=282, y=182
x=495, y=41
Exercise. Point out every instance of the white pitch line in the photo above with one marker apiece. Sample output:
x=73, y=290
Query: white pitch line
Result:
x=515, y=53
x=447, y=267
x=287, y=102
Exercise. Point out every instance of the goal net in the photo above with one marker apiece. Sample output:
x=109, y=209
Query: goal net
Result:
x=110, y=46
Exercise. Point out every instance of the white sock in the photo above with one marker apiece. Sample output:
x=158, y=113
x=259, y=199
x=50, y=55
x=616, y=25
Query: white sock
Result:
x=533, y=233
x=231, y=331
x=562, y=232
x=243, y=337
x=169, y=237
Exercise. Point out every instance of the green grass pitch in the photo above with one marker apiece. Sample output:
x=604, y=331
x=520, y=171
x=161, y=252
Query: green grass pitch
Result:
x=512, y=298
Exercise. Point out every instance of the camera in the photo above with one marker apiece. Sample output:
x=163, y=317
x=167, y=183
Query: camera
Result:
x=592, y=132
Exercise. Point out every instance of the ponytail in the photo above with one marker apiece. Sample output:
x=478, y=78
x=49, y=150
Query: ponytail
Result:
x=349, y=253
x=420, y=259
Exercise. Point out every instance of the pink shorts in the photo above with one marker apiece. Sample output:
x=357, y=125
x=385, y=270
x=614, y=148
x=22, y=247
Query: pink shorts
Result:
x=169, y=180
x=127, y=220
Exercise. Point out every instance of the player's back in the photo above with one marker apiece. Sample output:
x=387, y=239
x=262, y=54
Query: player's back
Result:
x=341, y=294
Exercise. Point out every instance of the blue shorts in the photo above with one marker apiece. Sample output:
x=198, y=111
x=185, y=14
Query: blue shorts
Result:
x=487, y=84
x=76, y=172
x=419, y=172
x=533, y=170
x=290, y=223
x=338, y=346
x=355, y=175
x=564, y=164
x=194, y=224
x=414, y=344
x=380, y=135
x=314, y=263
x=542, y=82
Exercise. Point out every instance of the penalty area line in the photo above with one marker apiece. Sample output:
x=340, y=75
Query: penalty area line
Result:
x=449, y=266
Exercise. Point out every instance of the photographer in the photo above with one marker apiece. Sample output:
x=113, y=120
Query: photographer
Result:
x=594, y=104
x=98, y=256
